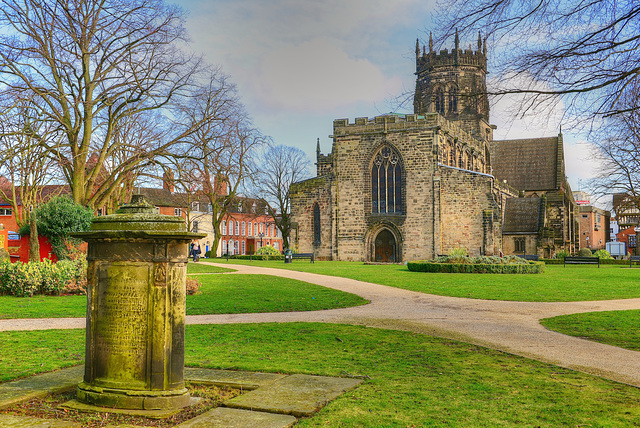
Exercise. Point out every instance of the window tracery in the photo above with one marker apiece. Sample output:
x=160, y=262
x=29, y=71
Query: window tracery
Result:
x=386, y=182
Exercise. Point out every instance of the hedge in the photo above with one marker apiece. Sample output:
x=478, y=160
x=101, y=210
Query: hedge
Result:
x=602, y=261
x=431, y=266
x=257, y=257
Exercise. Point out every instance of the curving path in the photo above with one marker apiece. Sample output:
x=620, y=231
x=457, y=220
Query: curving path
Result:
x=511, y=327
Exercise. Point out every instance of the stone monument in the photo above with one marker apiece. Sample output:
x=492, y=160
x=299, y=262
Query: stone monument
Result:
x=136, y=310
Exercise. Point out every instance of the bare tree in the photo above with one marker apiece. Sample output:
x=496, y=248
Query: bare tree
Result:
x=96, y=66
x=617, y=148
x=24, y=163
x=281, y=166
x=218, y=157
x=586, y=54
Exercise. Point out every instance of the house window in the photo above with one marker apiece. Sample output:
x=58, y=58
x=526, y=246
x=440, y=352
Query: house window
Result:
x=5, y=211
x=519, y=245
x=276, y=245
x=177, y=212
x=224, y=247
x=244, y=229
x=224, y=227
x=386, y=182
x=230, y=248
x=237, y=228
x=584, y=216
x=243, y=244
x=249, y=232
x=237, y=249
x=316, y=224
x=98, y=212
x=255, y=228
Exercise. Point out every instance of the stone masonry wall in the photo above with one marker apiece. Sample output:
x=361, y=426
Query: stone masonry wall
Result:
x=470, y=217
x=353, y=151
x=303, y=196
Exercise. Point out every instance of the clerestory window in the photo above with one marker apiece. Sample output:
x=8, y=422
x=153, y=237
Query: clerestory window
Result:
x=386, y=182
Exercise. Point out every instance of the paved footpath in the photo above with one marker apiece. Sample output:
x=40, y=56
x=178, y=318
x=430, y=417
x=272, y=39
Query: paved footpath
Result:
x=512, y=327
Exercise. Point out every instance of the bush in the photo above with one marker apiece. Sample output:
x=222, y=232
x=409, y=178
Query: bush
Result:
x=511, y=268
x=268, y=250
x=603, y=254
x=585, y=252
x=60, y=217
x=207, y=254
x=4, y=255
x=193, y=285
x=46, y=277
x=562, y=254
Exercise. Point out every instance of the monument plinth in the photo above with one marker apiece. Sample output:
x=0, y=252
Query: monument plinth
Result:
x=136, y=295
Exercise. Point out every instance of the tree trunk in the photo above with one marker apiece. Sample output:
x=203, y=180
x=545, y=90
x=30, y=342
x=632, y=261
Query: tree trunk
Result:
x=34, y=246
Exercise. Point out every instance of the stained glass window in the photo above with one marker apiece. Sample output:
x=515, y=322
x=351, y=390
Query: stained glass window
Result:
x=386, y=182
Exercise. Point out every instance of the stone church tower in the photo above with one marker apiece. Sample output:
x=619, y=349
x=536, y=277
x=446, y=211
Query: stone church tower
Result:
x=453, y=84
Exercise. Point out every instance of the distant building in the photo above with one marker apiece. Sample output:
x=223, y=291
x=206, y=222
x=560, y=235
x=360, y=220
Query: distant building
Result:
x=629, y=237
x=626, y=209
x=594, y=227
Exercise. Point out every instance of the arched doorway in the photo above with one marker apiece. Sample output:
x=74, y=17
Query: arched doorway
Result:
x=385, y=247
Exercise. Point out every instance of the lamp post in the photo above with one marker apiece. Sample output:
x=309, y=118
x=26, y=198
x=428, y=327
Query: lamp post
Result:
x=261, y=235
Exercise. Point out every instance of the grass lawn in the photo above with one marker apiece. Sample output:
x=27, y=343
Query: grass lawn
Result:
x=412, y=380
x=239, y=294
x=201, y=268
x=219, y=294
x=617, y=328
x=556, y=284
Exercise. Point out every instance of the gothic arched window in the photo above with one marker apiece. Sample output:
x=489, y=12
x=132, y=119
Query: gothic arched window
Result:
x=386, y=182
x=453, y=99
x=439, y=101
x=316, y=224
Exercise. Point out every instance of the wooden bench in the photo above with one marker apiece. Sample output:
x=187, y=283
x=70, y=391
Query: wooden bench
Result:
x=303, y=256
x=532, y=257
x=575, y=260
x=633, y=259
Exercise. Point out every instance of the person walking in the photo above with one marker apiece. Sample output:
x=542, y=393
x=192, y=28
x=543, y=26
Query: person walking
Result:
x=195, y=251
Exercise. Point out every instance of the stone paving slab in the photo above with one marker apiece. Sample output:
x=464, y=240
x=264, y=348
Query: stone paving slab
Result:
x=39, y=385
x=11, y=421
x=298, y=395
x=234, y=379
x=221, y=417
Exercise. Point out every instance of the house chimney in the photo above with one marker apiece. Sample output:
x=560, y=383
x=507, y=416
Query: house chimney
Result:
x=220, y=185
x=168, y=181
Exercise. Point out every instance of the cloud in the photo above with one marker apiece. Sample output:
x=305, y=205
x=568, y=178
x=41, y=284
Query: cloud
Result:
x=318, y=76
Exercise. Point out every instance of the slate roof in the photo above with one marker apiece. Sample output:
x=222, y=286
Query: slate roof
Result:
x=163, y=197
x=529, y=164
x=522, y=215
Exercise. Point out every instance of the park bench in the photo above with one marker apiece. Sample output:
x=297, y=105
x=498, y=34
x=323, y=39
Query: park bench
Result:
x=633, y=259
x=303, y=256
x=531, y=257
x=576, y=260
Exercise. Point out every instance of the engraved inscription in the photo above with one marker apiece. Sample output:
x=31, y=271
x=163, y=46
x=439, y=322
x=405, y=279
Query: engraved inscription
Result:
x=121, y=333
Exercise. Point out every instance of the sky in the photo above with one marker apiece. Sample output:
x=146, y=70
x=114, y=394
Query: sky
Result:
x=300, y=64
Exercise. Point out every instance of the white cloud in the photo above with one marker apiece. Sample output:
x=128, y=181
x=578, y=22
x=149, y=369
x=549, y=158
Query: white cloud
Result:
x=318, y=76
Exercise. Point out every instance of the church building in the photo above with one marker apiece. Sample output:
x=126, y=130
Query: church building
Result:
x=402, y=187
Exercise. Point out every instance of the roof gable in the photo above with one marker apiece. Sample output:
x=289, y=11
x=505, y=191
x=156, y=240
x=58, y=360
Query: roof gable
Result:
x=529, y=164
x=522, y=215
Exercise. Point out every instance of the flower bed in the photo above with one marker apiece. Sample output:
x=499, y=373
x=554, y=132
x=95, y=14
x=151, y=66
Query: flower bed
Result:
x=485, y=264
